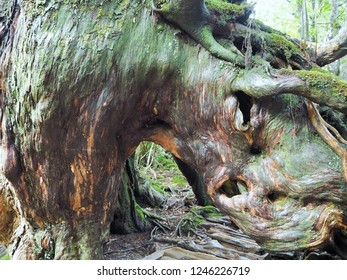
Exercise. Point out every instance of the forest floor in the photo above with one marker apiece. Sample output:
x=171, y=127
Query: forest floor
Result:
x=187, y=231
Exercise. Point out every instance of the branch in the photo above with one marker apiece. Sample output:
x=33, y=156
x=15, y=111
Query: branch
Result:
x=322, y=88
x=333, y=50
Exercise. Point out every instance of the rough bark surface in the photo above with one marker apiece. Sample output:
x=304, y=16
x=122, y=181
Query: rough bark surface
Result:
x=84, y=82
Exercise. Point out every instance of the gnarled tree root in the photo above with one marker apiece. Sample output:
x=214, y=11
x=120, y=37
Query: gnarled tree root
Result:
x=194, y=18
x=325, y=130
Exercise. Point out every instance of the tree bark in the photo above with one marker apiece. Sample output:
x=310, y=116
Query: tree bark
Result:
x=83, y=84
x=334, y=49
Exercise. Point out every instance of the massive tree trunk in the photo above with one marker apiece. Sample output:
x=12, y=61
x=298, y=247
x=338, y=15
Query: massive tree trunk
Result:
x=332, y=32
x=83, y=83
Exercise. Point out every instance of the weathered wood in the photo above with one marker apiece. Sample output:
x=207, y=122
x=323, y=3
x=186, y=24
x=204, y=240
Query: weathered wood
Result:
x=334, y=49
x=177, y=253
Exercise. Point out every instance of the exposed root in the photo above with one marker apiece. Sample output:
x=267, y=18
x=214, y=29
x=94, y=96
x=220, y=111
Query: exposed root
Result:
x=155, y=220
x=325, y=130
x=186, y=225
x=194, y=18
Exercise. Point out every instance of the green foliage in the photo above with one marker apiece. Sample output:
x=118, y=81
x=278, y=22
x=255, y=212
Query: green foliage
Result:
x=179, y=180
x=208, y=211
x=285, y=17
x=277, y=14
x=290, y=99
x=158, y=168
x=224, y=7
x=150, y=155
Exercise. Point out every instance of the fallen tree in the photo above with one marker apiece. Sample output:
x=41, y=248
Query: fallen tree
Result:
x=237, y=103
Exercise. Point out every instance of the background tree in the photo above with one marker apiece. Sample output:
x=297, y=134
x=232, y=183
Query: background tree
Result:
x=84, y=82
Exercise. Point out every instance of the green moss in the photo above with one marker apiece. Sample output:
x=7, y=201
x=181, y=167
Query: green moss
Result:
x=279, y=44
x=140, y=213
x=208, y=211
x=196, y=216
x=222, y=7
x=324, y=82
x=166, y=162
x=227, y=11
x=263, y=27
x=159, y=188
x=189, y=223
x=179, y=180
x=160, y=27
x=290, y=99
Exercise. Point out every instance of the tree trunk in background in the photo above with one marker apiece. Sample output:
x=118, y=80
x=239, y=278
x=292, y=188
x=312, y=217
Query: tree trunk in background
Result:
x=314, y=22
x=82, y=84
x=304, y=21
x=334, y=28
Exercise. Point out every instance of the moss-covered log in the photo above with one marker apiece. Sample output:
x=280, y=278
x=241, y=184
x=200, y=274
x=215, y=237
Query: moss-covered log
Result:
x=84, y=82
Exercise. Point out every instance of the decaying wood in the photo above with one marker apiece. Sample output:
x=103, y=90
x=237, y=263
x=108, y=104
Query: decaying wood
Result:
x=178, y=253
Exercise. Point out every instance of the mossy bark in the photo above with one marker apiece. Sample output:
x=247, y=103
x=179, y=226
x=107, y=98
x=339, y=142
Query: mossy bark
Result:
x=128, y=215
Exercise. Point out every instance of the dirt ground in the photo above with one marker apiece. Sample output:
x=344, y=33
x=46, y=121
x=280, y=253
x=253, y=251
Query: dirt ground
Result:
x=178, y=236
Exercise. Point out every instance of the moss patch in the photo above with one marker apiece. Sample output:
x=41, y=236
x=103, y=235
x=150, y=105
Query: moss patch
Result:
x=279, y=44
x=325, y=83
x=208, y=211
x=141, y=214
x=227, y=11
x=195, y=217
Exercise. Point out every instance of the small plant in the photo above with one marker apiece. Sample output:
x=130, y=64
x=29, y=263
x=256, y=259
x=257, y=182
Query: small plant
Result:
x=179, y=180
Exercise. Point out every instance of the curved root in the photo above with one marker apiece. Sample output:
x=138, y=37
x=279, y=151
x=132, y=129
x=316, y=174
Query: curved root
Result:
x=324, y=130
